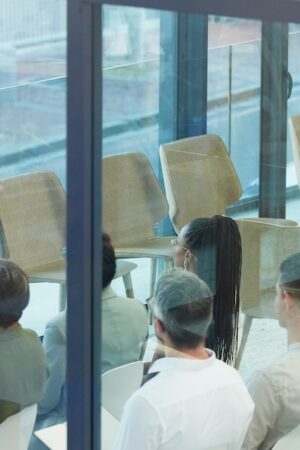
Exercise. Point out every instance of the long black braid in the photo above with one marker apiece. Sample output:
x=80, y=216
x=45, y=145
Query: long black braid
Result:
x=216, y=244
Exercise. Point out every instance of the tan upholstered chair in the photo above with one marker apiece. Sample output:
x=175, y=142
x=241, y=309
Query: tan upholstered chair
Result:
x=265, y=244
x=133, y=203
x=200, y=179
x=33, y=215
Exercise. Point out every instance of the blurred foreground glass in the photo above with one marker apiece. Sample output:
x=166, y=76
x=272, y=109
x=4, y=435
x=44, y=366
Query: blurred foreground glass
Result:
x=33, y=198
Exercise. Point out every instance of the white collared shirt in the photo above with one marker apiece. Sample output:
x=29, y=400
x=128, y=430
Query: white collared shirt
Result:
x=275, y=390
x=191, y=404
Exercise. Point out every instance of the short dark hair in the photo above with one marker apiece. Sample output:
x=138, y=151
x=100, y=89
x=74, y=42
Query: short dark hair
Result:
x=289, y=277
x=109, y=260
x=183, y=303
x=14, y=293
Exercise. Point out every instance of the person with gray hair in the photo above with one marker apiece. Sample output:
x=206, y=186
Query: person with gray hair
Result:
x=176, y=304
x=275, y=388
x=193, y=400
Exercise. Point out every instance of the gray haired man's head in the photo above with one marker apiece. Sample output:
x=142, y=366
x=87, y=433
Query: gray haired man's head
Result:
x=183, y=303
x=289, y=278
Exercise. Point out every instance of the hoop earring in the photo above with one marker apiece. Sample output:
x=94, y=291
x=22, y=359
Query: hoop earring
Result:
x=185, y=264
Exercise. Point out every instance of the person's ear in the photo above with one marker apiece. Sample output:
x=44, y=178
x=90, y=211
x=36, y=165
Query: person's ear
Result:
x=187, y=260
x=189, y=255
x=288, y=300
x=159, y=326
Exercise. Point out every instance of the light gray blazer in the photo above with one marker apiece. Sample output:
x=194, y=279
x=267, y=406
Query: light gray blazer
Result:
x=124, y=329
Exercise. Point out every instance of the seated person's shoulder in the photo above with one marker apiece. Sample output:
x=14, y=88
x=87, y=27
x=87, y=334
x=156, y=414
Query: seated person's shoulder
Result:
x=279, y=372
x=59, y=321
x=55, y=331
x=32, y=345
x=127, y=303
x=135, y=304
x=135, y=308
x=22, y=339
x=224, y=369
x=29, y=349
x=224, y=376
x=30, y=335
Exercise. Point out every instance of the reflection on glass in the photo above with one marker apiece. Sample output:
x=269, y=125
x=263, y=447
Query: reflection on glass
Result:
x=130, y=80
x=293, y=104
x=33, y=213
x=234, y=93
x=200, y=179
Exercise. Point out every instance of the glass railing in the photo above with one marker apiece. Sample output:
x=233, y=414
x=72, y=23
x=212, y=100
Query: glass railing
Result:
x=33, y=103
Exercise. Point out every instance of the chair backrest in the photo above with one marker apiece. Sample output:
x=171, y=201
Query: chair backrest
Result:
x=109, y=429
x=265, y=244
x=132, y=197
x=200, y=179
x=15, y=431
x=118, y=385
x=294, y=123
x=54, y=437
x=289, y=442
x=32, y=212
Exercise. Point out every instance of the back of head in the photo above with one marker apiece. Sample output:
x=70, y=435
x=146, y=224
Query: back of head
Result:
x=216, y=243
x=289, y=278
x=14, y=293
x=183, y=303
x=109, y=260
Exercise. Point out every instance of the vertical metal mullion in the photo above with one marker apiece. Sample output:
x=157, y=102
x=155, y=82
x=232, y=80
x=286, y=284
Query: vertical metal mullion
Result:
x=183, y=81
x=97, y=225
x=167, y=94
x=183, y=76
x=83, y=315
x=168, y=77
x=192, y=75
x=273, y=132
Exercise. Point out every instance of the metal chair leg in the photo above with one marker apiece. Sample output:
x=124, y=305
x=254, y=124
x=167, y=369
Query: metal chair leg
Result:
x=123, y=270
x=153, y=272
x=128, y=285
x=246, y=329
x=62, y=296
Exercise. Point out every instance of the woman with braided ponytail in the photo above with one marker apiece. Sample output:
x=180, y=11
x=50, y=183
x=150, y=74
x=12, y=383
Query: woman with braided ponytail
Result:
x=211, y=248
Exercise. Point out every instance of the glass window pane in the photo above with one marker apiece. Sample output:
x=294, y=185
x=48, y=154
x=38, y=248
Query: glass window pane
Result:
x=33, y=217
x=215, y=188
x=131, y=73
x=234, y=89
x=293, y=174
